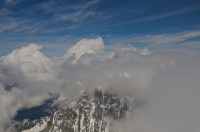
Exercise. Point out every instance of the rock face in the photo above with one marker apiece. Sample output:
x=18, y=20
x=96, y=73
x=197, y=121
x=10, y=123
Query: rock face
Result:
x=90, y=114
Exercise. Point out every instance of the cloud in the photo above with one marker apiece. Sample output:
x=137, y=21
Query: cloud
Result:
x=166, y=80
x=181, y=40
x=13, y=2
x=12, y=101
x=168, y=38
x=69, y=12
x=172, y=98
x=155, y=17
x=9, y=1
x=30, y=62
x=32, y=72
x=90, y=46
x=8, y=26
x=75, y=16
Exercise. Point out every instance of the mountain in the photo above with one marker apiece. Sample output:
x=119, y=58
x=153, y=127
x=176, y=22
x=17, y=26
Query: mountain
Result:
x=89, y=114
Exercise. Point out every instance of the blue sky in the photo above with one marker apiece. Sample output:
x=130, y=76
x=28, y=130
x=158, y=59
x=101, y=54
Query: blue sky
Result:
x=59, y=24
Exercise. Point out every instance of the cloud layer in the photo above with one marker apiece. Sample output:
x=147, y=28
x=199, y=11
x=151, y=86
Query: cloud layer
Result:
x=168, y=81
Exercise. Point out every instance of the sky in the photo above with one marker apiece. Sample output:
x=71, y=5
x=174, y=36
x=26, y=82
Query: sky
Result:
x=59, y=24
x=149, y=49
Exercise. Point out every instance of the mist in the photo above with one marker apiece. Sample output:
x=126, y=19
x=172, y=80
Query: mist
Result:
x=166, y=80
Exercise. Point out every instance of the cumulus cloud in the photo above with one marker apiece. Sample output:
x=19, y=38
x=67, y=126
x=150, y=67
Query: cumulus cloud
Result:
x=89, y=46
x=30, y=62
x=32, y=72
x=168, y=81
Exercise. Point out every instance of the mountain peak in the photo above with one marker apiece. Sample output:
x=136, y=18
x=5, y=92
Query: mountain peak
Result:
x=90, y=114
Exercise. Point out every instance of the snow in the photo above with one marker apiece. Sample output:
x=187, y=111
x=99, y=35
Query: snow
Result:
x=37, y=127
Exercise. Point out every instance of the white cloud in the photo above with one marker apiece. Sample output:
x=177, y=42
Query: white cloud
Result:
x=75, y=16
x=8, y=26
x=167, y=38
x=13, y=2
x=183, y=39
x=9, y=1
x=168, y=81
x=73, y=12
x=90, y=46
x=14, y=100
x=30, y=62
x=163, y=15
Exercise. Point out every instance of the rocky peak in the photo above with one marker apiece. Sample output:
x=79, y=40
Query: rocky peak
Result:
x=91, y=114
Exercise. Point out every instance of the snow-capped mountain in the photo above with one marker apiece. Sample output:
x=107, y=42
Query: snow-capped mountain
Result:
x=90, y=114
